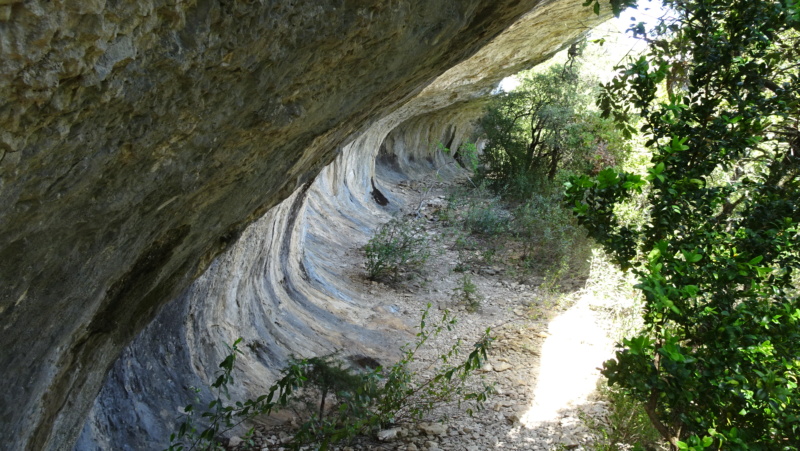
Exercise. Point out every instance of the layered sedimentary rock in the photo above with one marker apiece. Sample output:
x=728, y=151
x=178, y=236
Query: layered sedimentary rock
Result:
x=138, y=140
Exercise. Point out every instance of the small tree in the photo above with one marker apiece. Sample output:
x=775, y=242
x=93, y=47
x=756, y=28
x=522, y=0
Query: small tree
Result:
x=543, y=126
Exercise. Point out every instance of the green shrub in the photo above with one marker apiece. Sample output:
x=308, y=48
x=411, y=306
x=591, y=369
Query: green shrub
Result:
x=447, y=214
x=364, y=401
x=328, y=375
x=465, y=243
x=467, y=294
x=551, y=236
x=468, y=155
x=399, y=247
x=486, y=218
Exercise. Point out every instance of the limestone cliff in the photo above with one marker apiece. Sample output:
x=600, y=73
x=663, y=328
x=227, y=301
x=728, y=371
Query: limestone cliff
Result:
x=140, y=139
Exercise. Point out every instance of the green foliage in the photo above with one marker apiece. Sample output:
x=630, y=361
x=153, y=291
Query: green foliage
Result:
x=551, y=235
x=353, y=395
x=467, y=293
x=327, y=375
x=486, y=218
x=219, y=416
x=467, y=154
x=717, y=259
x=399, y=247
x=407, y=398
x=545, y=126
x=364, y=401
x=627, y=425
x=541, y=236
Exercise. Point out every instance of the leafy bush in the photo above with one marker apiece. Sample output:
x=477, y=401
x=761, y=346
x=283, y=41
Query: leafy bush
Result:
x=467, y=293
x=446, y=214
x=399, y=247
x=328, y=375
x=364, y=401
x=551, y=235
x=717, y=365
x=467, y=154
x=486, y=218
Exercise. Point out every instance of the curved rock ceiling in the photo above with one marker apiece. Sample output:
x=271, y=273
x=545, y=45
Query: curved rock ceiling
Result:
x=175, y=174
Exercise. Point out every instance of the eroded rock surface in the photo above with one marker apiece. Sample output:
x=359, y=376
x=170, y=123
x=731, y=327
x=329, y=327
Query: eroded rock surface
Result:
x=140, y=139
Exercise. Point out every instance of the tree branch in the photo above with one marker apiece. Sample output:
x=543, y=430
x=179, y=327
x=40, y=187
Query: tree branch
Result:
x=650, y=409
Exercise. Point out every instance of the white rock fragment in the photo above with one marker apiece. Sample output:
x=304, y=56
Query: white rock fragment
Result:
x=387, y=435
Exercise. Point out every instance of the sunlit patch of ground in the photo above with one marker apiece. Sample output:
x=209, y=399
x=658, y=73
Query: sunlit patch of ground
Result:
x=570, y=358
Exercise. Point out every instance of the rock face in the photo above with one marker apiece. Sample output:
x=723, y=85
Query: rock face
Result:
x=138, y=140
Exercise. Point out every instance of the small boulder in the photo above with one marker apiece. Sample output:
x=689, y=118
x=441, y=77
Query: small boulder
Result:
x=433, y=429
x=388, y=435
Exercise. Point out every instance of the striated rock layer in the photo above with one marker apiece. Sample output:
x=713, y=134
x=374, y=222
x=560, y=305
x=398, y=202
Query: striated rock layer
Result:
x=138, y=140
